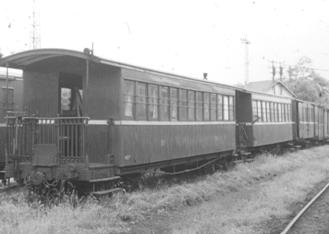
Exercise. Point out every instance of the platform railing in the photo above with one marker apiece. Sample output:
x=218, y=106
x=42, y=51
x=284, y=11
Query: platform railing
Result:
x=67, y=133
x=20, y=136
x=71, y=140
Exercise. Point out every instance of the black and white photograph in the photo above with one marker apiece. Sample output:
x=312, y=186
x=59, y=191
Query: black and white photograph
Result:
x=163, y=116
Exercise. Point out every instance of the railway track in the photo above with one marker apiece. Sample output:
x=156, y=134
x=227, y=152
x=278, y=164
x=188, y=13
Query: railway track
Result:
x=292, y=226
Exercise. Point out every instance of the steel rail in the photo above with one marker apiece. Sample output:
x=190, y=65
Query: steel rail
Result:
x=302, y=211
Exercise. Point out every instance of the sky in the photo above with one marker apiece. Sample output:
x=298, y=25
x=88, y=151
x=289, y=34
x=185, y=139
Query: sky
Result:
x=182, y=37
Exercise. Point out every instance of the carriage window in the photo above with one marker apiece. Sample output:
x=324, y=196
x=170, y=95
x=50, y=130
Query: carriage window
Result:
x=225, y=108
x=231, y=108
x=268, y=111
x=286, y=112
x=272, y=111
x=219, y=107
x=182, y=104
x=264, y=111
x=259, y=110
x=164, y=103
x=206, y=103
x=66, y=99
x=129, y=98
x=272, y=106
x=213, y=106
x=254, y=110
x=173, y=103
x=289, y=112
x=152, y=102
x=198, y=106
x=191, y=105
x=140, y=101
x=278, y=119
x=280, y=112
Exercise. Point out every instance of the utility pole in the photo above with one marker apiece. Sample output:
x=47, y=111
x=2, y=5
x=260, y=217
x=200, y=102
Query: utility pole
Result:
x=273, y=71
x=246, y=42
x=35, y=32
x=281, y=72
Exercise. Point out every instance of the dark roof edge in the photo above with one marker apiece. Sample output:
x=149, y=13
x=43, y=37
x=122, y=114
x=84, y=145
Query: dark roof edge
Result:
x=93, y=58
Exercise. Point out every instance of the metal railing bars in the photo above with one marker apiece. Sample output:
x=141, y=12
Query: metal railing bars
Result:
x=67, y=133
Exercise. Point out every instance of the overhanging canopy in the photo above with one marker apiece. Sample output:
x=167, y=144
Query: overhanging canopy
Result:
x=26, y=58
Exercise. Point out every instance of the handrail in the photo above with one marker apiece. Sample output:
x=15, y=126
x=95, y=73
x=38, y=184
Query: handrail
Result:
x=68, y=133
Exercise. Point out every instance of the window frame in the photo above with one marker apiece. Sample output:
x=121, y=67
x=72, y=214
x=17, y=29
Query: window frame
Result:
x=164, y=104
x=182, y=105
x=171, y=102
x=133, y=116
x=191, y=107
x=138, y=115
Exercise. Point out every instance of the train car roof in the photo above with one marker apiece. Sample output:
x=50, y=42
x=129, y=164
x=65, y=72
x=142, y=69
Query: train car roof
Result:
x=24, y=59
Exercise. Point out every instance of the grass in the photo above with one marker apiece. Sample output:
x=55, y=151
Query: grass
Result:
x=246, y=198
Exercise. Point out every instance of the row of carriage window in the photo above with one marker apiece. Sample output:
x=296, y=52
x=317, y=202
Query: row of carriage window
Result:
x=265, y=111
x=156, y=102
x=306, y=112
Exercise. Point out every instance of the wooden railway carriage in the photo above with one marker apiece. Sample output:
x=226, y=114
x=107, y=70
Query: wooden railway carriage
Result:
x=90, y=119
x=311, y=121
x=165, y=123
x=268, y=119
x=274, y=119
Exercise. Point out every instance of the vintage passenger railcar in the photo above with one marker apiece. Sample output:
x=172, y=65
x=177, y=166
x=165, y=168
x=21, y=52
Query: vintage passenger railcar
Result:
x=312, y=121
x=91, y=119
x=269, y=119
x=94, y=120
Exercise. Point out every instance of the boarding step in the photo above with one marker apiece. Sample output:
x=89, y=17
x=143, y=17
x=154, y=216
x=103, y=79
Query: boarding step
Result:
x=107, y=192
x=100, y=171
x=104, y=179
x=99, y=165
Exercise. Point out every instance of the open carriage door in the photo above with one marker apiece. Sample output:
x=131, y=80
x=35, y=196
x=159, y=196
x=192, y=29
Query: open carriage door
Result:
x=244, y=120
x=70, y=95
x=295, y=119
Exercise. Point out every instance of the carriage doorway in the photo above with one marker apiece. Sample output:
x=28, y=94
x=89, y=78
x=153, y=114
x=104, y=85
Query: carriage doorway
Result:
x=70, y=95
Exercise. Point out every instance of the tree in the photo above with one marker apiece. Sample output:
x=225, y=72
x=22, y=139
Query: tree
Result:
x=306, y=83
